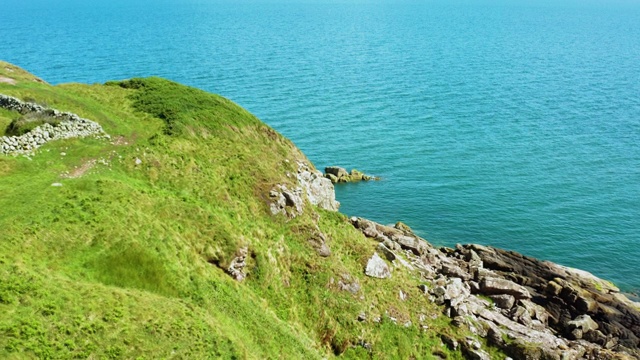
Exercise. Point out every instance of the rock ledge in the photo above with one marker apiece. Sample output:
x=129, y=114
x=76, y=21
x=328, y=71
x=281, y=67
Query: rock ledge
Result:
x=531, y=309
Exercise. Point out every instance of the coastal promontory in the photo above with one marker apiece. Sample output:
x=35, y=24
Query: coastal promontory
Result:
x=146, y=219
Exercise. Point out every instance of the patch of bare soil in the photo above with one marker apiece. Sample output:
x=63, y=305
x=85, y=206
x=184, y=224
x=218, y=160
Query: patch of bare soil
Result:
x=120, y=141
x=7, y=80
x=81, y=170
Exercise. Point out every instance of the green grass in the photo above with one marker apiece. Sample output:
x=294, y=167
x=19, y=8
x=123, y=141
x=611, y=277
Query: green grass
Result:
x=126, y=261
x=6, y=118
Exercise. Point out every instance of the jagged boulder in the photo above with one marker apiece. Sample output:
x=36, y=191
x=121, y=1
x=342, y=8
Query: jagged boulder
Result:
x=377, y=267
x=319, y=189
x=318, y=240
x=286, y=201
x=503, y=301
x=368, y=228
x=581, y=325
x=338, y=172
x=417, y=246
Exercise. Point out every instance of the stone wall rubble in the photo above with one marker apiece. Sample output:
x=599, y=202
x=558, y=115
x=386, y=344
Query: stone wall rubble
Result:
x=70, y=126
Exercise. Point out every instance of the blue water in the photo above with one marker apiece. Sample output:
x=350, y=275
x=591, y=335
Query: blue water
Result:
x=513, y=124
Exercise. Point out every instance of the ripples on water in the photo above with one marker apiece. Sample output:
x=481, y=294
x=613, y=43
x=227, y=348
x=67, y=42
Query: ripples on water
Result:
x=510, y=125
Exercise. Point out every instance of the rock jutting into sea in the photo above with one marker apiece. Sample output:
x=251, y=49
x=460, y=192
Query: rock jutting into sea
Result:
x=340, y=175
x=309, y=181
x=531, y=309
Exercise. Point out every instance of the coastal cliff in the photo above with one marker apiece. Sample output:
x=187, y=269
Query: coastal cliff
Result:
x=146, y=219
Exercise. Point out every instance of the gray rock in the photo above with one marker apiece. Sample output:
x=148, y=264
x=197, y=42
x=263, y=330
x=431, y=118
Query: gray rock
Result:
x=503, y=301
x=237, y=265
x=410, y=243
x=324, y=250
x=453, y=270
x=318, y=189
x=456, y=291
x=583, y=322
x=378, y=268
x=286, y=201
x=362, y=317
x=451, y=342
x=496, y=286
x=352, y=287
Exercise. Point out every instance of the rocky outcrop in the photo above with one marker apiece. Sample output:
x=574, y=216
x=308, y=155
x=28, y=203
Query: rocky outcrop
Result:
x=319, y=190
x=310, y=183
x=340, y=175
x=236, y=268
x=286, y=201
x=318, y=240
x=69, y=125
x=531, y=309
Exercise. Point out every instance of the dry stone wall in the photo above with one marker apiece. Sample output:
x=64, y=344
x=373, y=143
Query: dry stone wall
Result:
x=70, y=126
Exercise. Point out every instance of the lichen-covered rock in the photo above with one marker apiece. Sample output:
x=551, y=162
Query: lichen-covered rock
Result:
x=581, y=325
x=318, y=241
x=338, y=174
x=348, y=283
x=503, y=301
x=310, y=183
x=336, y=171
x=412, y=243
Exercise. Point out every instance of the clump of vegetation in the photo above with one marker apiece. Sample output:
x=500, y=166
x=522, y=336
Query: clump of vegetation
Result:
x=30, y=121
x=182, y=107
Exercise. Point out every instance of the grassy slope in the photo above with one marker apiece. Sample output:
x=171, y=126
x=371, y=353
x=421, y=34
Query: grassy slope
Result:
x=119, y=262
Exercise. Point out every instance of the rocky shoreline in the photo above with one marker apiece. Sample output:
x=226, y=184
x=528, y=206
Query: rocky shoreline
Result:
x=531, y=309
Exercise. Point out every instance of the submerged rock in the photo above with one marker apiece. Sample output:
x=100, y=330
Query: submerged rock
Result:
x=338, y=174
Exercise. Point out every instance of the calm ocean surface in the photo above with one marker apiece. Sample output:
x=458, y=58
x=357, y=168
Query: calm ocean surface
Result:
x=512, y=125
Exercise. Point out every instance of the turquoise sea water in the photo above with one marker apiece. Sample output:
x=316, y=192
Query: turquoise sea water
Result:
x=513, y=124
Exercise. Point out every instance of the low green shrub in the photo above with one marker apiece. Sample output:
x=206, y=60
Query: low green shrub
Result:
x=28, y=122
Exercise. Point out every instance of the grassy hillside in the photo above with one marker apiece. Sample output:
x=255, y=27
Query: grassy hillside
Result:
x=125, y=259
